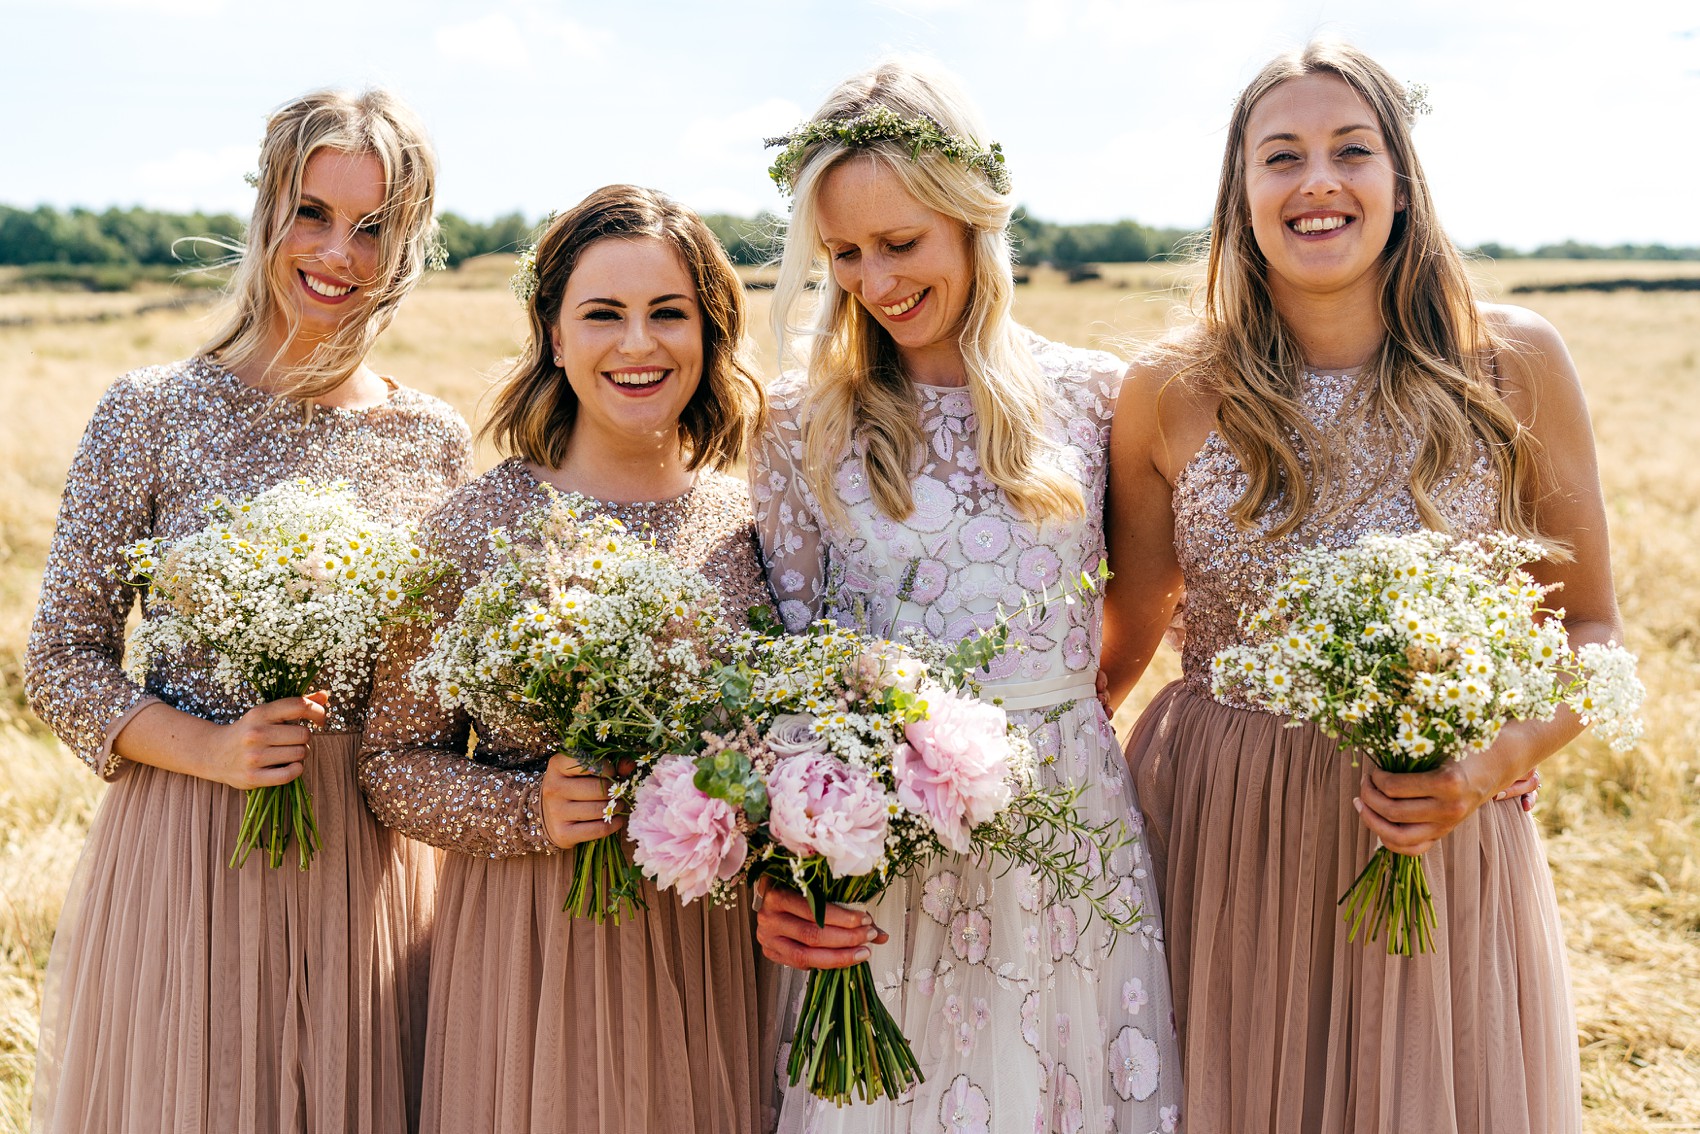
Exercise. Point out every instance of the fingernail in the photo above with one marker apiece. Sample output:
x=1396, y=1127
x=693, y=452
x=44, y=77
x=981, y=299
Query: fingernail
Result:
x=867, y=919
x=862, y=954
x=1357, y=805
x=1500, y=796
x=870, y=933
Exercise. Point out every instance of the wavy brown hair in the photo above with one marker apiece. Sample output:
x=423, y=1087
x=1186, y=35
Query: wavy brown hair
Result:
x=856, y=382
x=372, y=122
x=535, y=406
x=1433, y=377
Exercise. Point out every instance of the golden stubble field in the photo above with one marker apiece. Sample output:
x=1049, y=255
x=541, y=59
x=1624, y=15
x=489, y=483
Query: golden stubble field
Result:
x=1623, y=832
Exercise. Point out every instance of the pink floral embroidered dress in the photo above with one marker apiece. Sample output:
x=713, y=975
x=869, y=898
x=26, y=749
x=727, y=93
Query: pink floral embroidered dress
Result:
x=1023, y=1016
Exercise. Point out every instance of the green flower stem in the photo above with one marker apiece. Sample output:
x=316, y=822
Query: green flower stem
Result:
x=1392, y=893
x=847, y=1042
x=606, y=886
x=270, y=815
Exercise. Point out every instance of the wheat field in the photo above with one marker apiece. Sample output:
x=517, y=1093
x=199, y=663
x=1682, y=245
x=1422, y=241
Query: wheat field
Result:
x=1623, y=831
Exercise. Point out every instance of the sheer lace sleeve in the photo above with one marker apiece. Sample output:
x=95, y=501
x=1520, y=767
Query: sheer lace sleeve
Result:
x=793, y=551
x=73, y=666
x=415, y=767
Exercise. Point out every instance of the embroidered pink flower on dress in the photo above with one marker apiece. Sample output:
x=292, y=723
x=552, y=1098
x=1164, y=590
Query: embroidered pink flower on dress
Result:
x=685, y=840
x=820, y=805
x=1133, y=1064
x=964, y=1109
x=954, y=767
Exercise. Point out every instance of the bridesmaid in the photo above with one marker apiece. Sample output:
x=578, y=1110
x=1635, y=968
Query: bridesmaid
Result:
x=936, y=461
x=630, y=391
x=183, y=995
x=1344, y=378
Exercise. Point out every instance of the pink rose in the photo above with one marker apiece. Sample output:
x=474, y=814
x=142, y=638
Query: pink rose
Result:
x=793, y=734
x=953, y=771
x=685, y=840
x=821, y=805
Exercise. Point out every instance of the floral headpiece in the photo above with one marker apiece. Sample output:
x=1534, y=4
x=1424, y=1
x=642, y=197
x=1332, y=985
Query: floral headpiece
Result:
x=882, y=124
x=1416, y=100
x=523, y=283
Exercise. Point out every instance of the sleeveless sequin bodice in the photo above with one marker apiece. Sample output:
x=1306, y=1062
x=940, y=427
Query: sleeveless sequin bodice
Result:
x=1229, y=569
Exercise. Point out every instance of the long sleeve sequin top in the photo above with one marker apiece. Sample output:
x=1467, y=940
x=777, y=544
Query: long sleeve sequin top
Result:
x=163, y=442
x=415, y=768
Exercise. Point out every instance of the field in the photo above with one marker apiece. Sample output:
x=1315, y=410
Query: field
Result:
x=1623, y=832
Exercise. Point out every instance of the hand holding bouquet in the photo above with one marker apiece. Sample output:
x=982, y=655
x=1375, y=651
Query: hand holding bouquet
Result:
x=848, y=762
x=290, y=590
x=1416, y=650
x=594, y=634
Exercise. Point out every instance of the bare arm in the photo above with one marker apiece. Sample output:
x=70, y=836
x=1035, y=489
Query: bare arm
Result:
x=1541, y=387
x=1139, y=534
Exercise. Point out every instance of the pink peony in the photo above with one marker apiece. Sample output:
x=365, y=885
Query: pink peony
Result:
x=821, y=805
x=953, y=771
x=685, y=840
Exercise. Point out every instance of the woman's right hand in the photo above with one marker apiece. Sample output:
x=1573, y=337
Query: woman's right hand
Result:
x=574, y=799
x=267, y=745
x=786, y=928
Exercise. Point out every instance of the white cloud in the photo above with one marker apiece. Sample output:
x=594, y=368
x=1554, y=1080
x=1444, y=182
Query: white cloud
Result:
x=154, y=7
x=196, y=179
x=498, y=41
x=732, y=138
x=493, y=40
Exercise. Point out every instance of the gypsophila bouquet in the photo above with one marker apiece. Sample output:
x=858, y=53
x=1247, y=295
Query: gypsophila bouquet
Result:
x=591, y=632
x=290, y=590
x=849, y=761
x=1415, y=650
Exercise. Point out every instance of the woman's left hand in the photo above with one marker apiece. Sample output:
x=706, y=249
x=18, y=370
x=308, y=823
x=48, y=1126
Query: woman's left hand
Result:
x=1411, y=811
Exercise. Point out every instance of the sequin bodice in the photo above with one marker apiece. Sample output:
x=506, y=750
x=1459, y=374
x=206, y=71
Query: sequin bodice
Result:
x=416, y=769
x=162, y=443
x=1229, y=569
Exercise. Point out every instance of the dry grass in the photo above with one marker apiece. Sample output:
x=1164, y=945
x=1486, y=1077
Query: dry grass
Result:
x=1623, y=831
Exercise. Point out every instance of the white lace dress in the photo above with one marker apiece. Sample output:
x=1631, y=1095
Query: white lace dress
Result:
x=1022, y=1015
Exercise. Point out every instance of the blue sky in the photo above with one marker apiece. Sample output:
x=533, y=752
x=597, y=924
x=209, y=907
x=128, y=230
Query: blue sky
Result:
x=1553, y=119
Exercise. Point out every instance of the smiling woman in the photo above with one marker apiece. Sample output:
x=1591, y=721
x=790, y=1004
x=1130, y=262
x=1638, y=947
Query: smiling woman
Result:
x=183, y=994
x=630, y=391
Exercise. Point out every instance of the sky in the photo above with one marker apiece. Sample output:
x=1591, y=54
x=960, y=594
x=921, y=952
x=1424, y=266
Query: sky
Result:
x=1552, y=119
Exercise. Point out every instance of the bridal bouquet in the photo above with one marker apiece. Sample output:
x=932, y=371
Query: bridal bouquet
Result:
x=290, y=591
x=848, y=761
x=591, y=632
x=1416, y=650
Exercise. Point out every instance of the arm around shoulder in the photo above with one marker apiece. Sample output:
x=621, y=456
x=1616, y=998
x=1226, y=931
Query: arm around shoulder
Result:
x=1139, y=530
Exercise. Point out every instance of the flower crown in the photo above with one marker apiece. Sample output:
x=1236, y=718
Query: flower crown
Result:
x=882, y=124
x=523, y=283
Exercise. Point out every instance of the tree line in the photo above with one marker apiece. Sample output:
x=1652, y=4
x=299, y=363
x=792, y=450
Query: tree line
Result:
x=167, y=243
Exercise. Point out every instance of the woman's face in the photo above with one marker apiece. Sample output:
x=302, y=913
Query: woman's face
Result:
x=630, y=338
x=330, y=254
x=1320, y=185
x=907, y=265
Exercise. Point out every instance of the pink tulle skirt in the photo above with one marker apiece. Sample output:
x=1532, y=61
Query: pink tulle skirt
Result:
x=185, y=996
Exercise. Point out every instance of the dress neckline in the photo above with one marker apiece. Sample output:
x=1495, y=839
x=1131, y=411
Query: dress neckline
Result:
x=616, y=506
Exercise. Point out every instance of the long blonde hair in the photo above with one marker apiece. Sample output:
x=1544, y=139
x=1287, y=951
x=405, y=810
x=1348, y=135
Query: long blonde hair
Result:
x=535, y=406
x=856, y=383
x=1433, y=377
x=371, y=122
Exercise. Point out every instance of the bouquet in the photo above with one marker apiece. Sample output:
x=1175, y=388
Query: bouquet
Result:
x=1416, y=650
x=599, y=638
x=289, y=590
x=847, y=761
